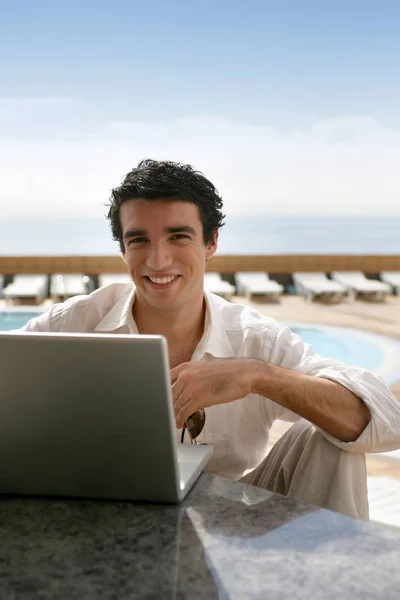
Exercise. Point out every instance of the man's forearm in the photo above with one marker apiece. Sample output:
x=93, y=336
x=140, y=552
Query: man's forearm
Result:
x=325, y=403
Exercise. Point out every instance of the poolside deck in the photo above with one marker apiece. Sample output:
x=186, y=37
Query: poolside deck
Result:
x=380, y=317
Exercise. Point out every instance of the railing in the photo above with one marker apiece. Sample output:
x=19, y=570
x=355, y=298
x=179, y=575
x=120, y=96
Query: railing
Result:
x=282, y=264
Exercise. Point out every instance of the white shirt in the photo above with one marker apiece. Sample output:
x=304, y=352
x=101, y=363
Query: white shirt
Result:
x=239, y=430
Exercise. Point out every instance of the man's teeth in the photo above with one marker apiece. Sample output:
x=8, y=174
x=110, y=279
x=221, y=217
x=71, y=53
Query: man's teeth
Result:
x=162, y=279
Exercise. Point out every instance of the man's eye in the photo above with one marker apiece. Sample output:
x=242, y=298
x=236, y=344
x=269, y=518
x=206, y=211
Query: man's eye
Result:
x=179, y=236
x=135, y=241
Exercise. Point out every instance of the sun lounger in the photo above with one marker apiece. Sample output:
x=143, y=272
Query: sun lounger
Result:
x=214, y=283
x=109, y=278
x=357, y=283
x=67, y=285
x=393, y=279
x=312, y=285
x=26, y=288
x=257, y=284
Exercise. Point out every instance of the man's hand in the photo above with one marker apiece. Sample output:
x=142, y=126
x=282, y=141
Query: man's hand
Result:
x=201, y=384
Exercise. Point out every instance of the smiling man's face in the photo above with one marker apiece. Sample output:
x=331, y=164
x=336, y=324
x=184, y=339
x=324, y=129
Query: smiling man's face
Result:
x=165, y=251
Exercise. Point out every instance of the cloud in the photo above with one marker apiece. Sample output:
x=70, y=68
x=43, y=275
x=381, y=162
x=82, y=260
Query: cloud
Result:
x=343, y=166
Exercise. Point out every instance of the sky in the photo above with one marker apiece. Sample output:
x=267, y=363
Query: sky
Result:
x=290, y=108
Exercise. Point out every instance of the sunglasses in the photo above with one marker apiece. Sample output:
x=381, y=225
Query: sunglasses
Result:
x=194, y=425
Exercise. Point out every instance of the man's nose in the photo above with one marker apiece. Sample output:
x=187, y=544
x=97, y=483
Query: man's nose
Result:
x=159, y=257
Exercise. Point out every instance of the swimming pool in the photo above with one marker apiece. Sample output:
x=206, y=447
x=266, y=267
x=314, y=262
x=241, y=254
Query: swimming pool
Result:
x=342, y=345
x=377, y=353
x=17, y=317
x=371, y=351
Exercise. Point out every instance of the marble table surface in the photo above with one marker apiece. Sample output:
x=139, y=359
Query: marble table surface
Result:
x=226, y=540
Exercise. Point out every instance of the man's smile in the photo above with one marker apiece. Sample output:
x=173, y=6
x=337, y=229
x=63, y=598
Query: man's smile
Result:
x=164, y=282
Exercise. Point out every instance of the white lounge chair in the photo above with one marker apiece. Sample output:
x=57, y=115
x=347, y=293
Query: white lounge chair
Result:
x=109, y=278
x=312, y=285
x=393, y=279
x=26, y=288
x=214, y=283
x=67, y=285
x=251, y=284
x=357, y=283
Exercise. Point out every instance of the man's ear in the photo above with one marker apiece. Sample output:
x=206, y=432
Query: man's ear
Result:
x=211, y=248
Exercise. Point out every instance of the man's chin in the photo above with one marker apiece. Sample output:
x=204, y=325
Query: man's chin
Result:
x=160, y=301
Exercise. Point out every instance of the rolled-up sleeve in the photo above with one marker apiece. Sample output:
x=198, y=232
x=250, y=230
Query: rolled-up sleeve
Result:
x=382, y=434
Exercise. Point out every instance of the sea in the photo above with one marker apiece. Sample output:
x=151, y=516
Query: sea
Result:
x=90, y=236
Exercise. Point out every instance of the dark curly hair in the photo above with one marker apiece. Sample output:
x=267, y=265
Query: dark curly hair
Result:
x=153, y=179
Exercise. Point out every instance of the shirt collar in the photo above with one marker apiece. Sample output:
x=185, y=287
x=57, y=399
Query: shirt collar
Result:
x=214, y=341
x=120, y=316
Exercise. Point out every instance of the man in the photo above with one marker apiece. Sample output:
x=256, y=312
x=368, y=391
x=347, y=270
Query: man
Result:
x=245, y=370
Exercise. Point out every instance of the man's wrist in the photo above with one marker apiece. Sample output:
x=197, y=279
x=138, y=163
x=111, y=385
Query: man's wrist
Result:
x=271, y=381
x=261, y=374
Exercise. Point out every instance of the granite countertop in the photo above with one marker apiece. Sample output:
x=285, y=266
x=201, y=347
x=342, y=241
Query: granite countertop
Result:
x=226, y=540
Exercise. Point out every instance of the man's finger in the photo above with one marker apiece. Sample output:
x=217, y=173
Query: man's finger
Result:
x=183, y=413
x=175, y=372
x=180, y=404
x=176, y=394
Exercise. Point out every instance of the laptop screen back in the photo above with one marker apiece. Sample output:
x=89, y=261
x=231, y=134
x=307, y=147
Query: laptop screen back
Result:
x=87, y=415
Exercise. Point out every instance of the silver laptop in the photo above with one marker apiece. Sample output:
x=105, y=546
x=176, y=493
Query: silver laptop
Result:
x=91, y=415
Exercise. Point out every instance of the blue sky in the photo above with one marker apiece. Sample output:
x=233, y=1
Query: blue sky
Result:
x=283, y=103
